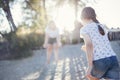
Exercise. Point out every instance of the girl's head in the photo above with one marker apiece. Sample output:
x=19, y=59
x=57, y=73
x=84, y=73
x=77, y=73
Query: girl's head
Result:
x=89, y=14
x=52, y=25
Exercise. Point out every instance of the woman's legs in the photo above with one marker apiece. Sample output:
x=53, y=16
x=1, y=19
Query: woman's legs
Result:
x=49, y=51
x=56, y=49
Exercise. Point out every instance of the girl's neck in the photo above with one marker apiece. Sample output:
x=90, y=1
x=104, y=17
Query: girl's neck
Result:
x=88, y=21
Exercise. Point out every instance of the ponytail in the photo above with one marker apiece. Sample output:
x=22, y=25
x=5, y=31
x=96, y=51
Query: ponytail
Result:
x=101, y=31
x=89, y=13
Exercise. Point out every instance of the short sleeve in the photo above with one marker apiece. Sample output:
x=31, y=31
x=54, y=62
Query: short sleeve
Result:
x=83, y=31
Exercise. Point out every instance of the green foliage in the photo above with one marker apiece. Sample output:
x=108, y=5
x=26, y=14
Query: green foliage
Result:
x=36, y=11
x=74, y=41
x=23, y=41
x=63, y=40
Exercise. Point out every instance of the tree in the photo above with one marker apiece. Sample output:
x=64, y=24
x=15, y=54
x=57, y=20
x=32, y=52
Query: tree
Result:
x=4, y=4
x=75, y=3
x=39, y=7
x=38, y=18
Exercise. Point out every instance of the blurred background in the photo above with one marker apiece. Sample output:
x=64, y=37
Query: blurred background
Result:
x=23, y=23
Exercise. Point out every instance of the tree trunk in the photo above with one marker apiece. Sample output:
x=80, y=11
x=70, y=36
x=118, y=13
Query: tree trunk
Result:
x=76, y=9
x=9, y=17
x=44, y=7
x=44, y=4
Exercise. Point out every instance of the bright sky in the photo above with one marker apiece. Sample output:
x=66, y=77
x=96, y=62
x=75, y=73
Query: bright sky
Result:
x=4, y=25
x=107, y=12
x=17, y=17
x=64, y=18
x=17, y=13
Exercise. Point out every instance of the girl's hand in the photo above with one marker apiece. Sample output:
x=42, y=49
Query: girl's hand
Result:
x=88, y=74
x=83, y=48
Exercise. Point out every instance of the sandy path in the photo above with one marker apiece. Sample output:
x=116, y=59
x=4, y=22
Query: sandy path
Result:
x=71, y=66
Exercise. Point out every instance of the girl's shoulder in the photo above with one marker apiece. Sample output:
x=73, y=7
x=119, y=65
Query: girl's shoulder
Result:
x=90, y=25
x=84, y=30
x=86, y=27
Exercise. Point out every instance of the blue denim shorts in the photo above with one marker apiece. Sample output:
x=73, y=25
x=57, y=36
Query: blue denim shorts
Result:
x=107, y=68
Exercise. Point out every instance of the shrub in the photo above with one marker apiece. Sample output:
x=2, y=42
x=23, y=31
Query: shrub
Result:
x=63, y=40
x=74, y=41
x=22, y=43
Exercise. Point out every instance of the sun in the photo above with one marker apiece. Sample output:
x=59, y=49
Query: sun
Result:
x=64, y=18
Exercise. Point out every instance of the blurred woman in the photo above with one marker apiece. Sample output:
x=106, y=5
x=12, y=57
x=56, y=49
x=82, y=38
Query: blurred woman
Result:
x=52, y=40
x=102, y=60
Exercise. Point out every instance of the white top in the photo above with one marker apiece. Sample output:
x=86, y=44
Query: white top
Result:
x=101, y=45
x=52, y=33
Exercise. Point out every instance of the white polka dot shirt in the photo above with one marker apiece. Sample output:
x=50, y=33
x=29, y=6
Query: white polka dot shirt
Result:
x=101, y=45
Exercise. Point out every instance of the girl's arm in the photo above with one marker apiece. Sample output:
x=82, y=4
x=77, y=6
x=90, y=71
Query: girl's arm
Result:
x=46, y=40
x=89, y=49
x=59, y=40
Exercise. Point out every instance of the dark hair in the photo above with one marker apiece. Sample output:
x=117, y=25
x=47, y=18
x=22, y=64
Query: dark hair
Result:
x=89, y=13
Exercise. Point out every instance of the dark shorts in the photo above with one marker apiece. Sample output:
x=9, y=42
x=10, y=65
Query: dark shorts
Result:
x=52, y=41
x=107, y=68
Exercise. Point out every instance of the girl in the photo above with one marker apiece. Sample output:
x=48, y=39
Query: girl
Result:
x=102, y=60
x=52, y=40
